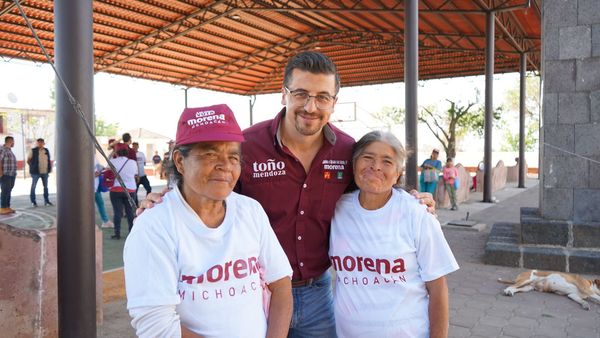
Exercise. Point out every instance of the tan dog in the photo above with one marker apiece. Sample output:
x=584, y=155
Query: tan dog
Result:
x=573, y=286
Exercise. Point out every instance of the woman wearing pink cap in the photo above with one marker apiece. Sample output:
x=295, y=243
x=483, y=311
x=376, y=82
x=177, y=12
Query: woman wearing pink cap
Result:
x=195, y=266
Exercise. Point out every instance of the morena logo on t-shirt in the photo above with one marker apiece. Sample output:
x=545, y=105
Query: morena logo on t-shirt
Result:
x=238, y=269
x=379, y=265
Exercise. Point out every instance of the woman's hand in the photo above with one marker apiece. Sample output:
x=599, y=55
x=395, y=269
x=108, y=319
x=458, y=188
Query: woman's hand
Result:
x=150, y=200
x=424, y=198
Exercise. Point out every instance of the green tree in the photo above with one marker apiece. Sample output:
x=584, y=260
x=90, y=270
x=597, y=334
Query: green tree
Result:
x=532, y=120
x=511, y=142
x=106, y=129
x=456, y=121
x=390, y=116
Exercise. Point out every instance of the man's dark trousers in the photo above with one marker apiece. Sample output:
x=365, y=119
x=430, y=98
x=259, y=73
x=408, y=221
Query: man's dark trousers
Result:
x=7, y=183
x=34, y=180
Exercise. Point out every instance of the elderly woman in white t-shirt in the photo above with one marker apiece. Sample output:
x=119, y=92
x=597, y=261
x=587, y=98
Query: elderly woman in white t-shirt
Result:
x=389, y=254
x=195, y=264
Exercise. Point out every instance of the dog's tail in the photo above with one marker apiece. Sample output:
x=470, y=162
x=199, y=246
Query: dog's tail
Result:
x=504, y=281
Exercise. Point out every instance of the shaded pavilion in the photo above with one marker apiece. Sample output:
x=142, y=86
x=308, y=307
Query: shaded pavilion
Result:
x=241, y=47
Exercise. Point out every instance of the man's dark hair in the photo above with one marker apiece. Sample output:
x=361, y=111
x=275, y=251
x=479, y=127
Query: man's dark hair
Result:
x=123, y=151
x=449, y=159
x=40, y=140
x=313, y=62
x=126, y=137
x=8, y=138
x=135, y=144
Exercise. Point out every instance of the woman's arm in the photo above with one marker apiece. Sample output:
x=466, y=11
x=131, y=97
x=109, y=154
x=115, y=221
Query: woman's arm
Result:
x=438, y=307
x=280, y=308
x=155, y=321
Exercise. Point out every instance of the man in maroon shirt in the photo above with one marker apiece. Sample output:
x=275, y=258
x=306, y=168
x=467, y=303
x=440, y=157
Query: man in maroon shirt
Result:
x=297, y=166
x=115, y=145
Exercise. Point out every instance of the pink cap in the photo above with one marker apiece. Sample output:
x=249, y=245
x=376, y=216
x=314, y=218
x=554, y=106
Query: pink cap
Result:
x=204, y=124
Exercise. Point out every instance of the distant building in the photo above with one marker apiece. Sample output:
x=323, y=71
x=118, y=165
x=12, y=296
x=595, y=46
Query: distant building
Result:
x=26, y=126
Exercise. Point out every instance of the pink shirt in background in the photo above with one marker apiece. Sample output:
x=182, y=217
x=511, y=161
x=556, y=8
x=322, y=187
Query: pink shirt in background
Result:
x=449, y=174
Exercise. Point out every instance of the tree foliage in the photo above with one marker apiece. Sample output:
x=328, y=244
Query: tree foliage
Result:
x=106, y=129
x=390, y=116
x=457, y=120
x=532, y=121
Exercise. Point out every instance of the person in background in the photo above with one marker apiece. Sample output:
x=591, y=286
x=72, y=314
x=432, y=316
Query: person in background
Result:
x=156, y=161
x=450, y=176
x=123, y=143
x=194, y=264
x=384, y=239
x=156, y=158
x=142, y=178
x=8, y=174
x=430, y=170
x=118, y=196
x=106, y=223
x=40, y=166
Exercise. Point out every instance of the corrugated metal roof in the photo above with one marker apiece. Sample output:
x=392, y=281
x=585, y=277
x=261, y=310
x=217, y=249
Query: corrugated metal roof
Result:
x=241, y=46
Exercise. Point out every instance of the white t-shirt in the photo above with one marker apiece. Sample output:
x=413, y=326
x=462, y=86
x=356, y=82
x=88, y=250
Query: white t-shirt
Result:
x=127, y=173
x=141, y=161
x=211, y=274
x=382, y=260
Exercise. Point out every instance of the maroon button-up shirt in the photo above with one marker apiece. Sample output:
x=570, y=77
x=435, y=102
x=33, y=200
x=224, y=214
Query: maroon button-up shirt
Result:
x=299, y=205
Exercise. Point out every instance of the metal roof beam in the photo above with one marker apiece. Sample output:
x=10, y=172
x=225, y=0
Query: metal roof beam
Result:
x=284, y=6
x=164, y=35
x=5, y=9
x=248, y=61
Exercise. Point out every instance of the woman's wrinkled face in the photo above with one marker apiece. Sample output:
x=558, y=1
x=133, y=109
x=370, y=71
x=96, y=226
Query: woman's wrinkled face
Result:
x=376, y=168
x=210, y=170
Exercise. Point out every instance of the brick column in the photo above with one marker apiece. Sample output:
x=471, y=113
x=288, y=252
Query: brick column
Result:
x=570, y=183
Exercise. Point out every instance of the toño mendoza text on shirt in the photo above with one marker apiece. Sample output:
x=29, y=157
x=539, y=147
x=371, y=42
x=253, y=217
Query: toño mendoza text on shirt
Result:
x=300, y=205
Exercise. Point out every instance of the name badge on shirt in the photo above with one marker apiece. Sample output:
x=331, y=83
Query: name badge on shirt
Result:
x=334, y=169
x=268, y=168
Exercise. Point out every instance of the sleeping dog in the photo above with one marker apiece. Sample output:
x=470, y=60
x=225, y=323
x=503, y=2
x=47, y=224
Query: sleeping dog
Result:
x=573, y=286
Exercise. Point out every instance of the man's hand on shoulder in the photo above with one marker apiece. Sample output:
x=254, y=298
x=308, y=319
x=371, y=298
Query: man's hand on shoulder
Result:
x=427, y=199
x=150, y=200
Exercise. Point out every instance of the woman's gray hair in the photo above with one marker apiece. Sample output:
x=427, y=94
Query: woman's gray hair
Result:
x=381, y=136
x=174, y=177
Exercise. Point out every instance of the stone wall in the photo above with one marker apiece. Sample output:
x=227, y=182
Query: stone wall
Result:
x=570, y=182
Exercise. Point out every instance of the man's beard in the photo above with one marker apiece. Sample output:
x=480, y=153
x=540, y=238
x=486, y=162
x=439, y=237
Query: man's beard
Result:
x=302, y=128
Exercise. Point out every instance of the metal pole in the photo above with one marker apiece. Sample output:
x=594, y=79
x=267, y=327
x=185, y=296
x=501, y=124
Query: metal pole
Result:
x=489, y=105
x=411, y=76
x=75, y=206
x=522, y=110
x=186, y=97
x=24, y=141
x=251, y=102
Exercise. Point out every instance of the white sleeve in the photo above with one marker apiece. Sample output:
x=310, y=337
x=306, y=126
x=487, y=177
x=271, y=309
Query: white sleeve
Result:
x=151, y=270
x=272, y=257
x=434, y=255
x=132, y=167
x=155, y=321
